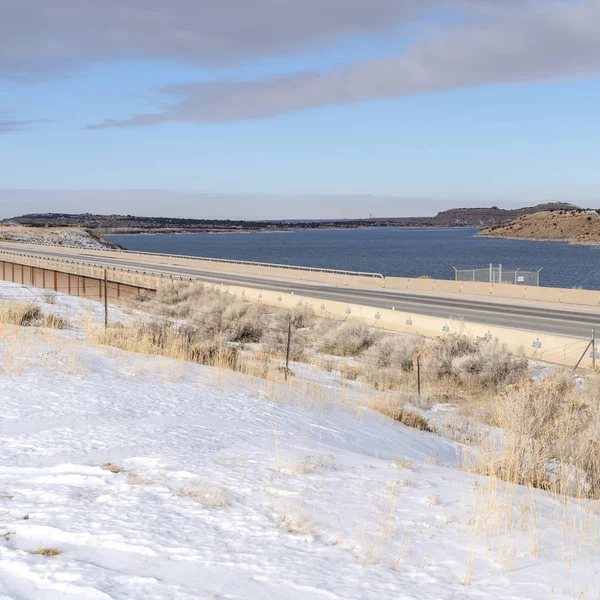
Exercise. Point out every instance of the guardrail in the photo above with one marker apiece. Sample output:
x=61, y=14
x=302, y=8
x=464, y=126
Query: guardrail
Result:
x=247, y=263
x=80, y=263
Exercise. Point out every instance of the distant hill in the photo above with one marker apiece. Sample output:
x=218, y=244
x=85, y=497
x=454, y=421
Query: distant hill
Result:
x=576, y=226
x=489, y=217
x=457, y=217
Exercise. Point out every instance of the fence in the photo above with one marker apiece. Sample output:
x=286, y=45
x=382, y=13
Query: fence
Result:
x=499, y=274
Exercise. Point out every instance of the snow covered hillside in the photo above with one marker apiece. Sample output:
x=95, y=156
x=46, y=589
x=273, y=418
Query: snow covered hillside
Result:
x=75, y=237
x=126, y=477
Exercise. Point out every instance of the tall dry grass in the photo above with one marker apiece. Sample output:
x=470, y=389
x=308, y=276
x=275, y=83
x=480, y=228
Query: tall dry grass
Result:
x=549, y=438
x=29, y=315
x=170, y=340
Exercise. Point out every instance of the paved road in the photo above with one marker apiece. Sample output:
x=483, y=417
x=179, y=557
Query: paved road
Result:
x=538, y=319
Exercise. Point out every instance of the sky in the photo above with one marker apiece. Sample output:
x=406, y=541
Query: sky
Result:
x=297, y=108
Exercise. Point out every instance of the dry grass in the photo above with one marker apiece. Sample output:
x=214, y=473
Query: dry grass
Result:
x=396, y=409
x=49, y=552
x=312, y=465
x=351, y=372
x=174, y=341
x=550, y=438
x=291, y=520
x=113, y=468
x=214, y=498
x=135, y=479
x=29, y=315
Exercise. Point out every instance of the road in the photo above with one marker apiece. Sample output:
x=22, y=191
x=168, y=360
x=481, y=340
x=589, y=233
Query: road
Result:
x=574, y=323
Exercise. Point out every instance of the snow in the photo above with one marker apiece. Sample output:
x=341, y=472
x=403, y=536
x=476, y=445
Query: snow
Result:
x=73, y=237
x=232, y=487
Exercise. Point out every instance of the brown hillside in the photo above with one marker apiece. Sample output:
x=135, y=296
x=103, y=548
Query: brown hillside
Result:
x=575, y=226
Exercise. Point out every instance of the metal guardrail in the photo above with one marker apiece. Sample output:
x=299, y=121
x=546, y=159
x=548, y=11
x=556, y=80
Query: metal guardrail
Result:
x=101, y=267
x=221, y=260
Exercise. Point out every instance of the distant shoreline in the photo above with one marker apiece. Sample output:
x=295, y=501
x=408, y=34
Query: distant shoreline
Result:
x=528, y=239
x=293, y=230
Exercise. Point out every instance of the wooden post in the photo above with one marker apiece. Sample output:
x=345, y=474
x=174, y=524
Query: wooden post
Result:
x=287, y=352
x=105, y=299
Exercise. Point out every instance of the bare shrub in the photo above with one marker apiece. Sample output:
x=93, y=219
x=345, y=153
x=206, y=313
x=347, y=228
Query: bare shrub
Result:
x=348, y=340
x=489, y=366
x=439, y=356
x=174, y=299
x=243, y=322
x=301, y=317
x=275, y=343
x=390, y=360
x=49, y=297
x=396, y=352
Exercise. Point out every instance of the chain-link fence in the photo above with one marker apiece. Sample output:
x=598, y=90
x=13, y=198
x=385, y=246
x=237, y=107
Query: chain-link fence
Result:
x=499, y=274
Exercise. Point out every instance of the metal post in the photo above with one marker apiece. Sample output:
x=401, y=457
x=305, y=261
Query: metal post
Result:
x=590, y=345
x=287, y=352
x=105, y=299
x=491, y=273
x=500, y=273
x=418, y=375
x=593, y=349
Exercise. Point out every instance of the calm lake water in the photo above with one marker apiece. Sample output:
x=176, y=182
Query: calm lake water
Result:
x=393, y=252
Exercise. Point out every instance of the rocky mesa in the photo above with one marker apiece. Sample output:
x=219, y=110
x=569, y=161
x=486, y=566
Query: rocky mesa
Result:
x=575, y=226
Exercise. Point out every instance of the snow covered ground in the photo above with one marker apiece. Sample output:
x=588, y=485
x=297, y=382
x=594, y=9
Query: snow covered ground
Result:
x=78, y=238
x=161, y=480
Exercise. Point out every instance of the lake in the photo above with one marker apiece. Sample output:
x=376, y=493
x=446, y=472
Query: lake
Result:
x=393, y=252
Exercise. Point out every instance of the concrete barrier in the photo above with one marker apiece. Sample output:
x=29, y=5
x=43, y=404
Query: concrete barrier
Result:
x=555, y=349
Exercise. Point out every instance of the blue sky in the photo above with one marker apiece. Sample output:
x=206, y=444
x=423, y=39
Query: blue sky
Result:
x=445, y=108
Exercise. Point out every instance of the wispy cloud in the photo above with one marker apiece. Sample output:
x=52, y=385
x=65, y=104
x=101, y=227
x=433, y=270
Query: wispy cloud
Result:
x=16, y=125
x=505, y=43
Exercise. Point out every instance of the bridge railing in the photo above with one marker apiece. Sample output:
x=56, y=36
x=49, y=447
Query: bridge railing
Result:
x=247, y=263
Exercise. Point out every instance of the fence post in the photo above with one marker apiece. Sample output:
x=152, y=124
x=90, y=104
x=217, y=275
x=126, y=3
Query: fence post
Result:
x=287, y=352
x=418, y=365
x=105, y=299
